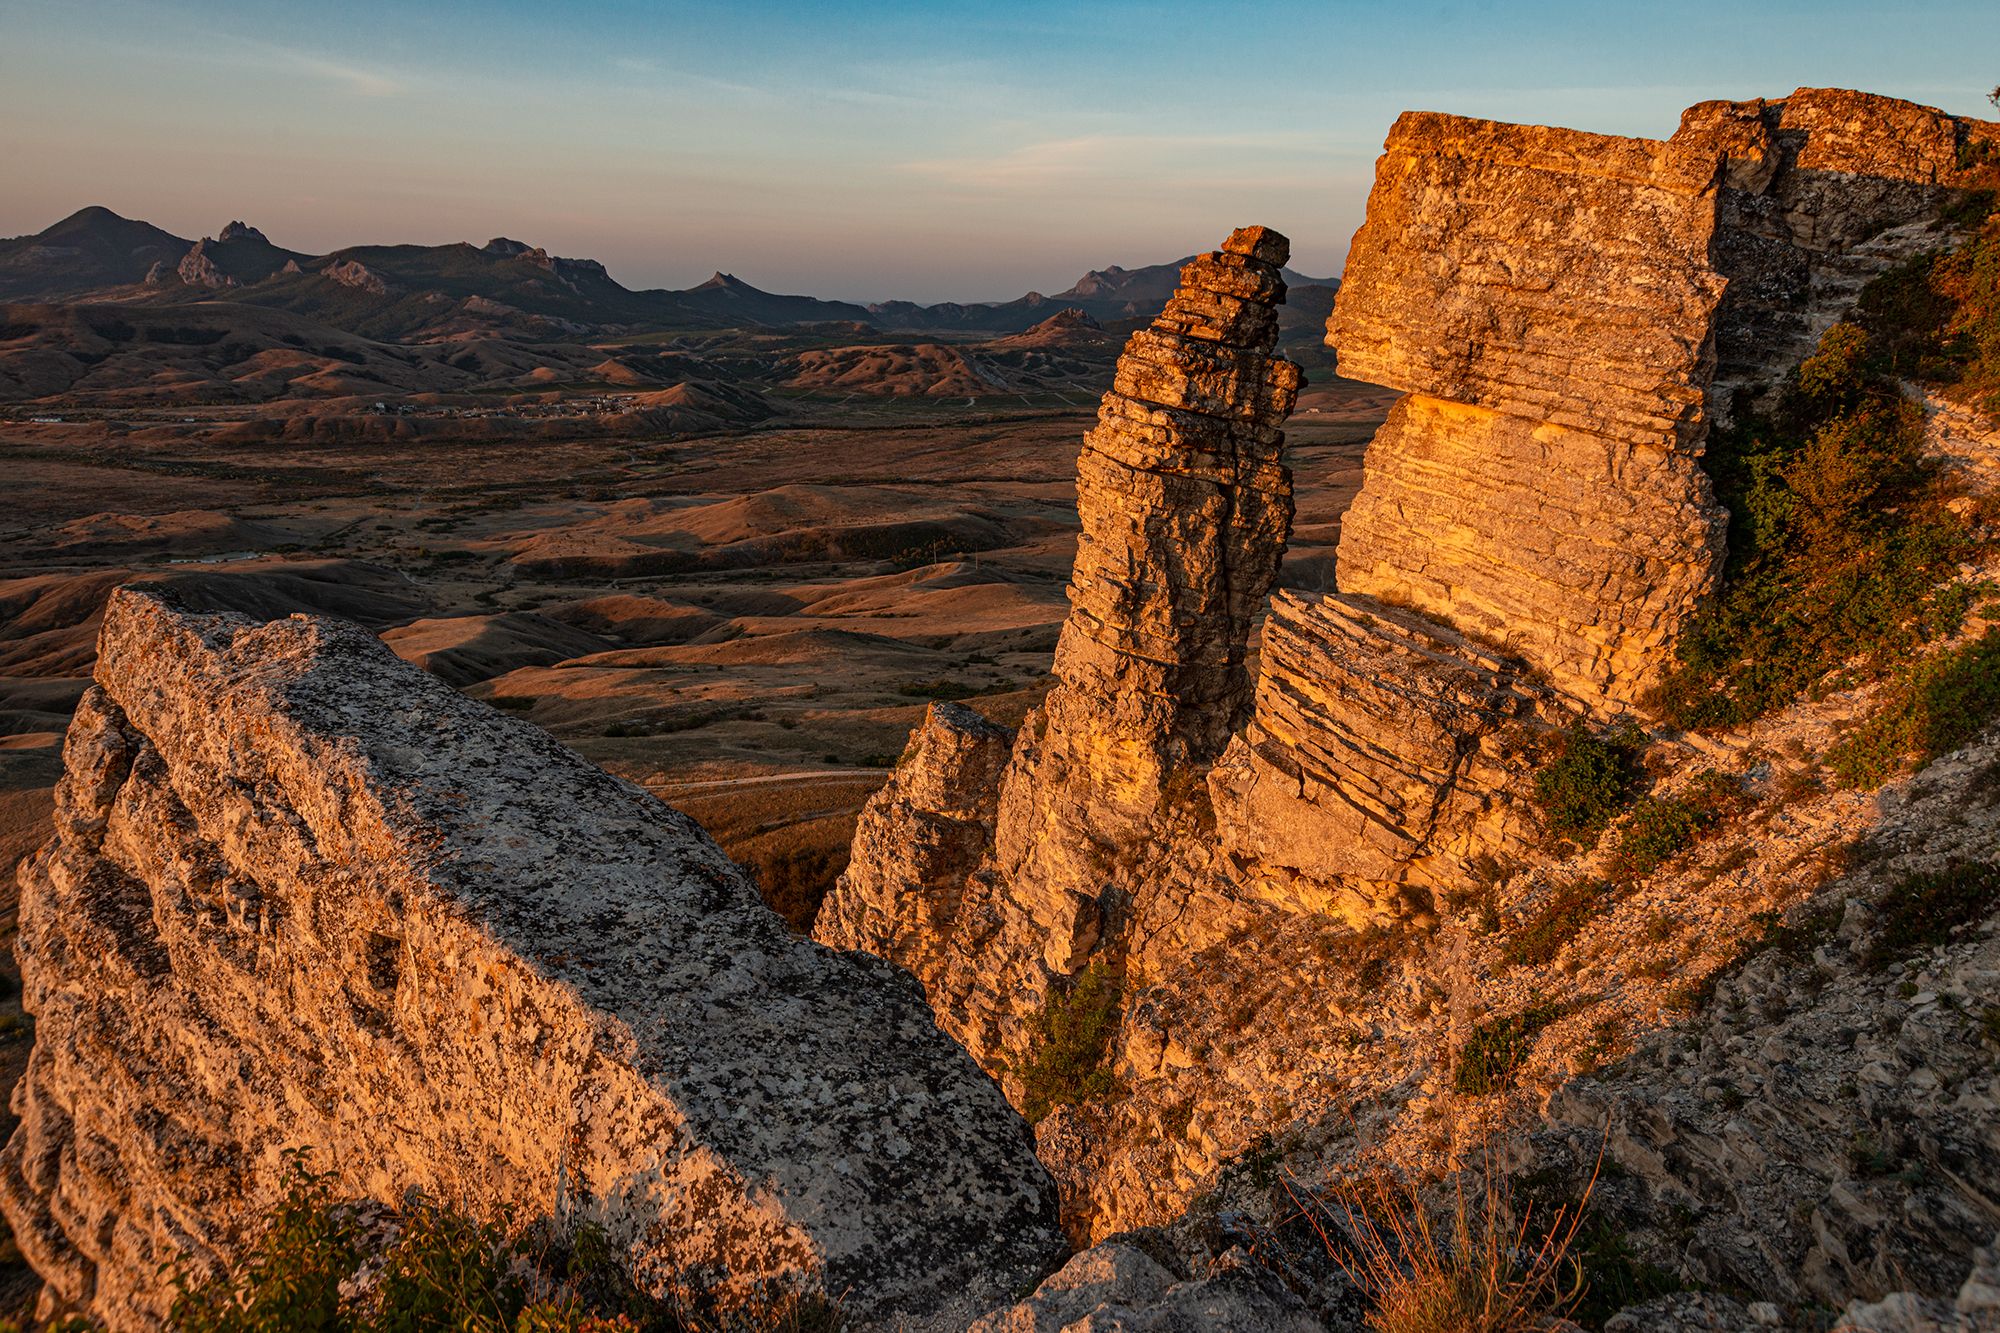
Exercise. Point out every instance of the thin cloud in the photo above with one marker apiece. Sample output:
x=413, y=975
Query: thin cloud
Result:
x=356, y=80
x=360, y=82
x=1087, y=157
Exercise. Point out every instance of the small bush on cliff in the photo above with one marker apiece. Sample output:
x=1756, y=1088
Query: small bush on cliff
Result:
x=1937, y=318
x=1559, y=919
x=1492, y=1056
x=1930, y=710
x=1588, y=779
x=1074, y=1032
x=1662, y=827
x=432, y=1268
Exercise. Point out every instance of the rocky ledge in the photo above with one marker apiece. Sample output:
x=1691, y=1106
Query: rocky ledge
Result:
x=303, y=895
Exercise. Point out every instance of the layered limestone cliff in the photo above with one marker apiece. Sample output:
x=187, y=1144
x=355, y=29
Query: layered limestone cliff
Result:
x=302, y=895
x=1535, y=531
x=1546, y=299
x=993, y=873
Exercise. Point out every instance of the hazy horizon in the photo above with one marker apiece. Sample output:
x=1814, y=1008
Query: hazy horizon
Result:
x=895, y=150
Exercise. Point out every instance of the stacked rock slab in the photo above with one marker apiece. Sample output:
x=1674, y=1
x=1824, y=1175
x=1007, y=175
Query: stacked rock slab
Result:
x=302, y=895
x=1381, y=761
x=1185, y=508
x=1546, y=300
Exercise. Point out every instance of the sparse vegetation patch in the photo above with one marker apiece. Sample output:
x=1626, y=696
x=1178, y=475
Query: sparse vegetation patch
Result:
x=1929, y=710
x=1842, y=547
x=1588, y=779
x=1925, y=910
x=1492, y=1055
x=1542, y=937
x=435, y=1268
x=1074, y=1032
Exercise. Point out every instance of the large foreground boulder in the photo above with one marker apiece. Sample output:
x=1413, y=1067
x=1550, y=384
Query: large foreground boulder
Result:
x=302, y=895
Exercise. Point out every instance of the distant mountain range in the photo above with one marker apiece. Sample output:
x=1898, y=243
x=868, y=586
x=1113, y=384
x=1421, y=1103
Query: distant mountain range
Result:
x=400, y=292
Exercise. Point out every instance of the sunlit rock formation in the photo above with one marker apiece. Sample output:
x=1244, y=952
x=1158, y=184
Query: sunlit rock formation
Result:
x=303, y=895
x=1546, y=299
x=1534, y=534
x=1185, y=508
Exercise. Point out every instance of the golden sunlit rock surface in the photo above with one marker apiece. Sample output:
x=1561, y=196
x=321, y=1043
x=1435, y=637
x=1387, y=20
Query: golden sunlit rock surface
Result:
x=1296, y=875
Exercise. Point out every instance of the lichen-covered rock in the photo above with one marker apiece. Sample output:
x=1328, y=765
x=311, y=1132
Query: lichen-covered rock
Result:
x=1829, y=1127
x=917, y=841
x=304, y=895
x=1975, y=1309
x=1118, y=1288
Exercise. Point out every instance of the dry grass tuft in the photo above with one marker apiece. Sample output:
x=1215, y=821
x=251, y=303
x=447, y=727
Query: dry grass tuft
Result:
x=1468, y=1263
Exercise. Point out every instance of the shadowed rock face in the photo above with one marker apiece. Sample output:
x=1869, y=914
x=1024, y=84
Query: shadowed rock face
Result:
x=1820, y=192
x=303, y=895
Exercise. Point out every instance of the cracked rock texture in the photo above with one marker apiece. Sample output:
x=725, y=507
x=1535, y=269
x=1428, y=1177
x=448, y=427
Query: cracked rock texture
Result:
x=1555, y=304
x=1832, y=1126
x=1116, y=1287
x=303, y=895
x=1546, y=299
x=1379, y=761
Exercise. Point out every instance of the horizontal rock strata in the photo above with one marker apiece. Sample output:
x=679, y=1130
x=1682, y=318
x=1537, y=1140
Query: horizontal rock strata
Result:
x=1377, y=763
x=1185, y=508
x=1185, y=504
x=304, y=896
x=1546, y=298
x=1555, y=303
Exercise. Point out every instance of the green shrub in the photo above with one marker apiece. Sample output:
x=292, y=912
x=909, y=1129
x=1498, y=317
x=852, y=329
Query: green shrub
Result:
x=290, y=1280
x=1491, y=1056
x=1614, y=1275
x=1588, y=779
x=1930, y=710
x=1074, y=1032
x=1926, y=910
x=1662, y=827
x=1938, y=316
x=1544, y=934
x=448, y=1273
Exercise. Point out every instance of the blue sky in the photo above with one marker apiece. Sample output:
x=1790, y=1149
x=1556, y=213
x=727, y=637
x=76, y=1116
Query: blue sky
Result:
x=933, y=151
